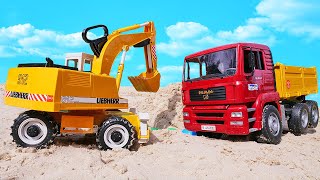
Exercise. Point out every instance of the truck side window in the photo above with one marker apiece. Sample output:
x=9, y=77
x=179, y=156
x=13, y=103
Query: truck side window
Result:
x=193, y=70
x=258, y=59
x=246, y=59
x=203, y=69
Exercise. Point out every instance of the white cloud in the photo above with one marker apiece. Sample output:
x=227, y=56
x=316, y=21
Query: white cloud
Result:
x=291, y=16
x=175, y=48
x=166, y=69
x=184, y=30
x=179, y=34
x=8, y=51
x=248, y=33
x=25, y=39
x=170, y=74
x=16, y=31
x=196, y=41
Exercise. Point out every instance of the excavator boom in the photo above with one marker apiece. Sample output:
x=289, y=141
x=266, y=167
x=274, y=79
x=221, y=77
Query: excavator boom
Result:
x=111, y=45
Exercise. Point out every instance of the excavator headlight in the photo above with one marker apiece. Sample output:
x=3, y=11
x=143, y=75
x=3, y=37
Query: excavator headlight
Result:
x=185, y=114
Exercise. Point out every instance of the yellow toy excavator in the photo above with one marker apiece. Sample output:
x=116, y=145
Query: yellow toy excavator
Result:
x=81, y=97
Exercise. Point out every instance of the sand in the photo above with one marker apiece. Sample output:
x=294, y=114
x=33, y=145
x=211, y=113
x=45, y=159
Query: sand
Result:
x=170, y=154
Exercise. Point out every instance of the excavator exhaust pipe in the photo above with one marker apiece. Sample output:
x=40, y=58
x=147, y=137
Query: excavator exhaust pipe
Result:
x=146, y=82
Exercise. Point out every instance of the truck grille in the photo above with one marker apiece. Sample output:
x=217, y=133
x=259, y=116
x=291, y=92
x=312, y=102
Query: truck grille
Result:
x=209, y=122
x=216, y=93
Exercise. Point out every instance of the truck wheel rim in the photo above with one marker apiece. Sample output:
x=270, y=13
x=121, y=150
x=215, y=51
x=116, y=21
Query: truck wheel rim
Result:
x=32, y=131
x=116, y=136
x=304, y=118
x=274, y=124
x=315, y=114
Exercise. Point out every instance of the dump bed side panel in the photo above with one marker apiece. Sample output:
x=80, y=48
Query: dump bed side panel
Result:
x=295, y=81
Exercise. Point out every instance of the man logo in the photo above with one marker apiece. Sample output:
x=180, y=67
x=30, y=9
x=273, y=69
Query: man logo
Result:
x=206, y=92
x=205, y=97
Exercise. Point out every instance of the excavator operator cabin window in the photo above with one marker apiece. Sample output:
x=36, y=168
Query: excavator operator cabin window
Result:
x=87, y=66
x=72, y=63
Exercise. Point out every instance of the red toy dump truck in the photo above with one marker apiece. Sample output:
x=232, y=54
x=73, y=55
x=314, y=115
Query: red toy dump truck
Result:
x=236, y=89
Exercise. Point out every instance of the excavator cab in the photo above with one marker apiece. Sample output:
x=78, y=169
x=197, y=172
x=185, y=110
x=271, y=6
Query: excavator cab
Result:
x=81, y=61
x=107, y=47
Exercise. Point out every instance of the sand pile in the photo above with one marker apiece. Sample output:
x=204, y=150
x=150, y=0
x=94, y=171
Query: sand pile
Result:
x=1, y=92
x=170, y=154
x=164, y=107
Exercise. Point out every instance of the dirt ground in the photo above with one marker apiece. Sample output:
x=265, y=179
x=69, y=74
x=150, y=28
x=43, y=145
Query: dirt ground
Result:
x=169, y=154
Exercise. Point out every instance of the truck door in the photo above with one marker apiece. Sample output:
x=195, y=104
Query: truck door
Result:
x=254, y=72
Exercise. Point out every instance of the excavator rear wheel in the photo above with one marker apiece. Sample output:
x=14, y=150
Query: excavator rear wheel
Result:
x=34, y=129
x=115, y=132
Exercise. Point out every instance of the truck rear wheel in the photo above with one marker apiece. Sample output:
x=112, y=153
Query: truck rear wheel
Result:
x=115, y=132
x=298, y=123
x=272, y=128
x=313, y=113
x=34, y=129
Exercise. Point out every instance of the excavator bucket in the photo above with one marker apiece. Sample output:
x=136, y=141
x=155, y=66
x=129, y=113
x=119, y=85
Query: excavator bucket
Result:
x=146, y=82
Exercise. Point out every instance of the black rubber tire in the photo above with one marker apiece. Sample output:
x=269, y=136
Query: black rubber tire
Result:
x=209, y=134
x=113, y=120
x=313, y=105
x=266, y=135
x=295, y=122
x=52, y=128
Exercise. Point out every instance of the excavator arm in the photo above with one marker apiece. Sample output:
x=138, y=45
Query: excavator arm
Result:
x=107, y=48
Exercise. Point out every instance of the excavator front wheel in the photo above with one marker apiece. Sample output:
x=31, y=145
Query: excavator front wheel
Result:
x=116, y=132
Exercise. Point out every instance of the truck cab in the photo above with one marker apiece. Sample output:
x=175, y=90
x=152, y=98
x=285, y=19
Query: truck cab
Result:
x=226, y=88
x=236, y=89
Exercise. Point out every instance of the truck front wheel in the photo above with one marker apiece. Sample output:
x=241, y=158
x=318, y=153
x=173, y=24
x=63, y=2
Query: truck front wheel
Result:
x=313, y=113
x=298, y=123
x=272, y=128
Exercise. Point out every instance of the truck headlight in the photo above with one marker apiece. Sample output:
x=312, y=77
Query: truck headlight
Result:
x=185, y=114
x=236, y=123
x=236, y=114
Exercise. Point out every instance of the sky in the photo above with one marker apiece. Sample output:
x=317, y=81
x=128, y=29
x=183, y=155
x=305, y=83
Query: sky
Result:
x=33, y=30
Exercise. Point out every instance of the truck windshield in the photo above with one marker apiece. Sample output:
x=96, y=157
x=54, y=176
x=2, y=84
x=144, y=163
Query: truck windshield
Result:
x=216, y=64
